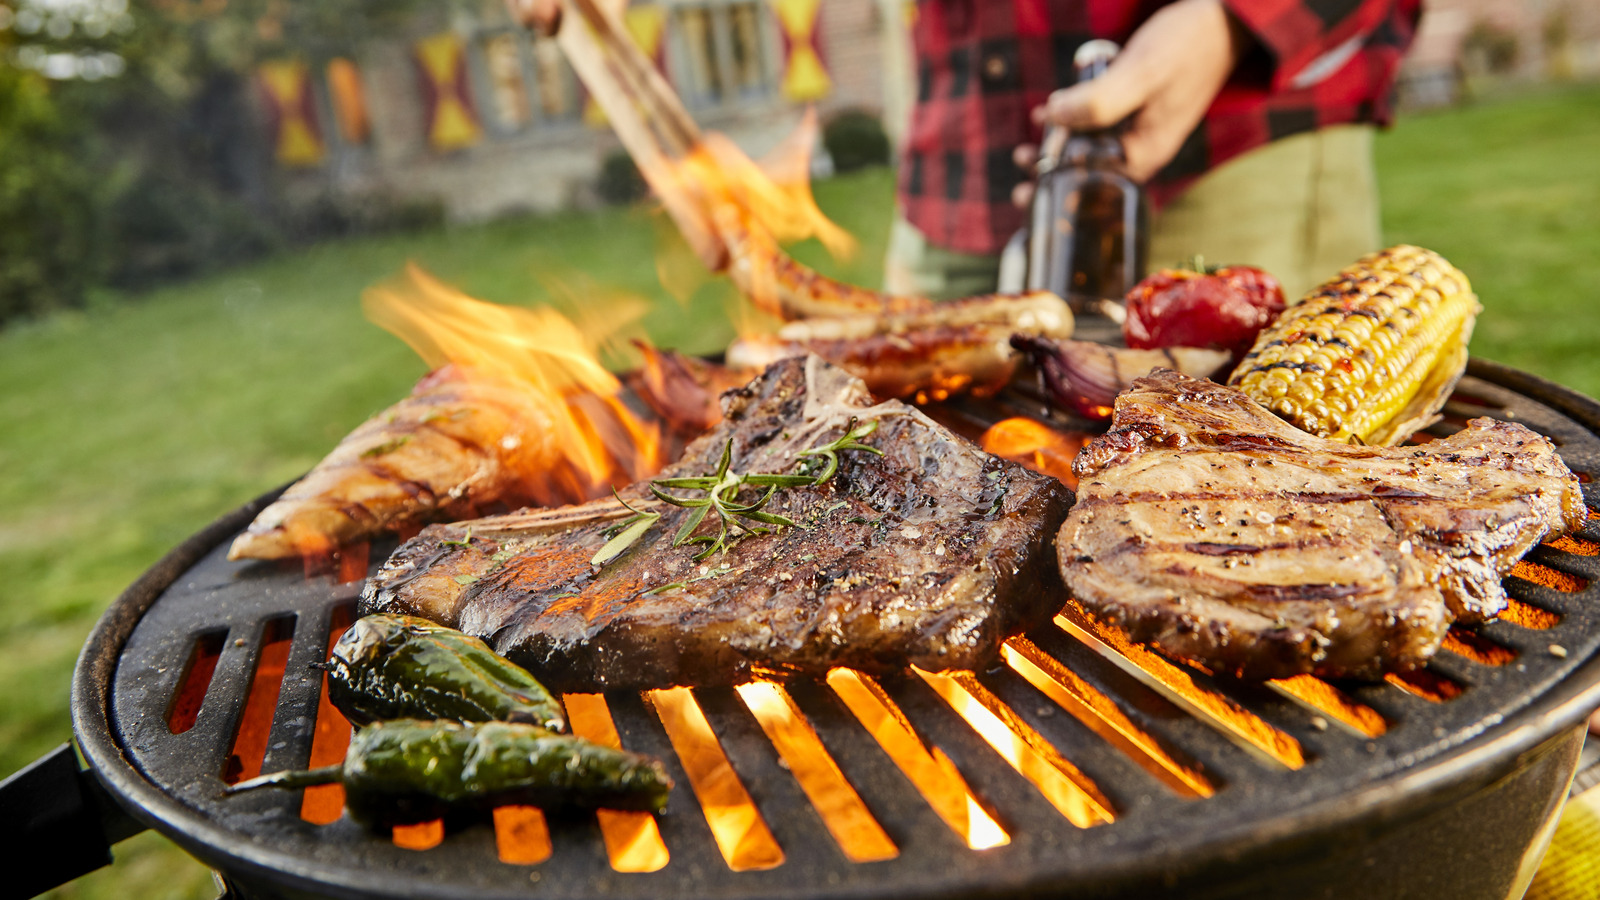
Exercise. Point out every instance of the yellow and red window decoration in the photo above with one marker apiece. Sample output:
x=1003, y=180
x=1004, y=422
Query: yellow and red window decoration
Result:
x=292, y=113
x=450, y=118
x=805, y=75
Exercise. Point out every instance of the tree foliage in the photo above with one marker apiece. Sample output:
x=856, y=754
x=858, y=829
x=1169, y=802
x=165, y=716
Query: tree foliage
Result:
x=47, y=222
x=130, y=149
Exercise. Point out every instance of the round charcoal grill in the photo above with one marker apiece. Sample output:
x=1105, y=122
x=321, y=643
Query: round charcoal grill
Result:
x=1079, y=766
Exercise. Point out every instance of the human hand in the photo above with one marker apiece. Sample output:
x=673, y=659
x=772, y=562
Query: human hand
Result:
x=544, y=15
x=1162, y=83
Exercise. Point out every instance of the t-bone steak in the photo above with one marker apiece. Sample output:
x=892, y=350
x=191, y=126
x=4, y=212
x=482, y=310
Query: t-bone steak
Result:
x=931, y=554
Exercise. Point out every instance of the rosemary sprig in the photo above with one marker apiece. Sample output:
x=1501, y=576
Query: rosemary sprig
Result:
x=628, y=531
x=722, y=497
x=850, y=440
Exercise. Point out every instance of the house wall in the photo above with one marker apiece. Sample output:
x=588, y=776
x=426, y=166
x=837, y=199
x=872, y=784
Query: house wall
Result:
x=554, y=164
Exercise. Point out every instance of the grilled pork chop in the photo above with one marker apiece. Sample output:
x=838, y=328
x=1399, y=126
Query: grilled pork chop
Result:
x=931, y=554
x=1211, y=527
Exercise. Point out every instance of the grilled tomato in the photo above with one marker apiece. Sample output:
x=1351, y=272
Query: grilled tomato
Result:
x=1222, y=308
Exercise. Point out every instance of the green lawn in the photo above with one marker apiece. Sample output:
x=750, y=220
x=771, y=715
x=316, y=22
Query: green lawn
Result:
x=133, y=425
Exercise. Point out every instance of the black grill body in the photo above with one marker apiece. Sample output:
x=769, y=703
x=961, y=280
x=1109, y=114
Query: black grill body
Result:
x=1455, y=799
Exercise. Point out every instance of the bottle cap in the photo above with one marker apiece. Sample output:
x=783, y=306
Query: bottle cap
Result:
x=1092, y=58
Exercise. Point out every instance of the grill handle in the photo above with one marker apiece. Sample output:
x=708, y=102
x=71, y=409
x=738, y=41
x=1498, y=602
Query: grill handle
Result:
x=58, y=817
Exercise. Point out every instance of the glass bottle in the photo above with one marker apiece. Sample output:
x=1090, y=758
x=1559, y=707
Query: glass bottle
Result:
x=1087, y=235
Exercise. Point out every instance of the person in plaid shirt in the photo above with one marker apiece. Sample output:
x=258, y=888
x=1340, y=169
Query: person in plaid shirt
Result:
x=1249, y=121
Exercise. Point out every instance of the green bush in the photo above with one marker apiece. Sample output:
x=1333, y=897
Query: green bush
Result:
x=50, y=251
x=855, y=139
x=620, y=182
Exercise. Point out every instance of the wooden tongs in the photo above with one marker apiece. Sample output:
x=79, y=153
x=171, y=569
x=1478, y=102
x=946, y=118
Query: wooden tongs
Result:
x=646, y=113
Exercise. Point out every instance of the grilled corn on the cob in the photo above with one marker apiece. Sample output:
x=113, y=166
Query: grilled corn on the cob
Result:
x=1371, y=355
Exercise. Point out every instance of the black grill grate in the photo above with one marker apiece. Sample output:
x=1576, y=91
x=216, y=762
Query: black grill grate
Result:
x=138, y=661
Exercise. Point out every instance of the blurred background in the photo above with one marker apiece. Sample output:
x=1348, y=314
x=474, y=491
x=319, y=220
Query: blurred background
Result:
x=194, y=193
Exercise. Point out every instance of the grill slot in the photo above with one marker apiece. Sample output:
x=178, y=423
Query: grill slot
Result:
x=1526, y=615
x=1427, y=684
x=1210, y=706
x=858, y=834
x=1066, y=788
x=633, y=843
x=198, y=669
x=1544, y=576
x=1321, y=697
x=736, y=824
x=419, y=836
x=1574, y=545
x=1483, y=650
x=1101, y=715
x=521, y=835
x=330, y=736
x=260, y=706
x=927, y=767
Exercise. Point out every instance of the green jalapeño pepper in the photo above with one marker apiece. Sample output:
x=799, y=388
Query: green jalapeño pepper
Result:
x=409, y=771
x=401, y=667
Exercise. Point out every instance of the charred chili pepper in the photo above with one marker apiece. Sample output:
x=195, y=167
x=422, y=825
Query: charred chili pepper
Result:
x=401, y=667
x=408, y=771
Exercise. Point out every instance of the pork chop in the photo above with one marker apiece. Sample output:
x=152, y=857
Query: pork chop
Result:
x=931, y=554
x=1211, y=527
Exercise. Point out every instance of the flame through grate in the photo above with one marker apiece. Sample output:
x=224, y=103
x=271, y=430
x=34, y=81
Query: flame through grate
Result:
x=1073, y=712
x=633, y=841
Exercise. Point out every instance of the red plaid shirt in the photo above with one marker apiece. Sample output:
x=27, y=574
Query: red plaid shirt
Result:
x=983, y=64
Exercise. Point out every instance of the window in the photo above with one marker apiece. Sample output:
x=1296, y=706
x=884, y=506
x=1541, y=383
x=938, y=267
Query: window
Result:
x=723, y=53
x=526, y=82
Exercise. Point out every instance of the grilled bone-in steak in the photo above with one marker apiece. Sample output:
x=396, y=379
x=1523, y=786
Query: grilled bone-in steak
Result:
x=930, y=554
x=1210, y=526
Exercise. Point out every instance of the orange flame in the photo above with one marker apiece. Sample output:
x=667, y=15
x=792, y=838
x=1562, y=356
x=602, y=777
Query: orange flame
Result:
x=752, y=207
x=549, y=367
x=1036, y=446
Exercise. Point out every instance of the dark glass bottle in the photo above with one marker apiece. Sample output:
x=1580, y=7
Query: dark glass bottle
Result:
x=1087, y=235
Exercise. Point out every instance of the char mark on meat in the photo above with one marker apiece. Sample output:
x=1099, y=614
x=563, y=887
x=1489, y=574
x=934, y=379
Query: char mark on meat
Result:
x=932, y=554
x=1217, y=531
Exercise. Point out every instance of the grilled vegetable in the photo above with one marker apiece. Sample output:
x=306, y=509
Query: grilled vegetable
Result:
x=1087, y=377
x=402, y=667
x=1222, y=309
x=1371, y=355
x=412, y=771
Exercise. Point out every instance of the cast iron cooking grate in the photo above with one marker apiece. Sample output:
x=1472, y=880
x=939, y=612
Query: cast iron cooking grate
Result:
x=1077, y=754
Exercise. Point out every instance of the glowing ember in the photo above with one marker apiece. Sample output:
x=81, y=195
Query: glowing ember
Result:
x=330, y=737
x=421, y=836
x=1036, y=759
x=573, y=437
x=1544, y=576
x=633, y=842
x=928, y=768
x=859, y=835
x=1323, y=697
x=521, y=835
x=736, y=824
x=1210, y=706
x=1037, y=446
x=1097, y=711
